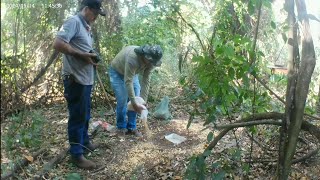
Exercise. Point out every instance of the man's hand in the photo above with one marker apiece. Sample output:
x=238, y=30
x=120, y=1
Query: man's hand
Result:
x=138, y=107
x=86, y=57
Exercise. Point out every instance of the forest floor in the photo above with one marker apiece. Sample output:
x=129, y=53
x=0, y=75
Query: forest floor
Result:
x=126, y=157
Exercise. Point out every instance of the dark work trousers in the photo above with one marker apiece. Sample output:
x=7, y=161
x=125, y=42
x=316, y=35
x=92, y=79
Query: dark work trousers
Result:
x=78, y=97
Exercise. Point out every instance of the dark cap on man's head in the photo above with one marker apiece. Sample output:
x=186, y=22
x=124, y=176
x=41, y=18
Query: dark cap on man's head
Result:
x=94, y=4
x=151, y=53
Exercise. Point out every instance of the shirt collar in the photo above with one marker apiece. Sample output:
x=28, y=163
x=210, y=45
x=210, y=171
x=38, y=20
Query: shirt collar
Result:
x=84, y=22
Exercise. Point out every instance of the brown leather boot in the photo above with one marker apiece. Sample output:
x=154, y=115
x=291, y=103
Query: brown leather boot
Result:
x=134, y=132
x=83, y=163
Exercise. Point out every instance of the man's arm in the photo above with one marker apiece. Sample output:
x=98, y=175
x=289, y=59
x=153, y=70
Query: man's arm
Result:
x=145, y=84
x=61, y=43
x=66, y=48
x=129, y=73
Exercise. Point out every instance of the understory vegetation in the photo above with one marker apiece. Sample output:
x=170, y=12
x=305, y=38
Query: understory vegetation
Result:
x=245, y=70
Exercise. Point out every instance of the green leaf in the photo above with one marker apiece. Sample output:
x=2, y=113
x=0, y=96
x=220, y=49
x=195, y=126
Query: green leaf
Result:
x=267, y=4
x=250, y=8
x=309, y=110
x=237, y=155
x=210, y=137
x=284, y=37
x=231, y=72
x=246, y=168
x=219, y=50
x=219, y=176
x=273, y=25
x=253, y=129
x=190, y=120
x=229, y=51
x=216, y=165
x=73, y=176
x=206, y=153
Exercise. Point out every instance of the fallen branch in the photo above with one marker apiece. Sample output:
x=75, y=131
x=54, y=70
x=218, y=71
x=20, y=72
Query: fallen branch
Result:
x=309, y=155
x=266, y=118
x=47, y=167
x=294, y=161
x=57, y=159
x=250, y=123
x=21, y=164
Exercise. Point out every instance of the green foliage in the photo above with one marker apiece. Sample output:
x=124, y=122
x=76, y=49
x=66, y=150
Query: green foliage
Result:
x=220, y=168
x=196, y=168
x=6, y=168
x=148, y=25
x=222, y=80
x=25, y=130
x=73, y=176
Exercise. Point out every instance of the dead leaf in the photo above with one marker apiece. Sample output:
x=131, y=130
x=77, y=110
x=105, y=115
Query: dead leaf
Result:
x=5, y=160
x=54, y=150
x=29, y=158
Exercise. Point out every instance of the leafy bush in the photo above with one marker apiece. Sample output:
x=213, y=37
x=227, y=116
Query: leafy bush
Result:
x=24, y=130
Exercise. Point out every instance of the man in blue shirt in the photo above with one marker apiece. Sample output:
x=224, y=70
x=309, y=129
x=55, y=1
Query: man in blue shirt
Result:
x=75, y=41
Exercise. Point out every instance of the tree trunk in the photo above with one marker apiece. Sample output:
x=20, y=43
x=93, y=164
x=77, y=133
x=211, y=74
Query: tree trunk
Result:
x=318, y=103
x=298, y=87
x=113, y=18
x=293, y=51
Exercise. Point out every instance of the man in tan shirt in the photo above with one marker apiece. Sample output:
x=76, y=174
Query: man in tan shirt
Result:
x=124, y=70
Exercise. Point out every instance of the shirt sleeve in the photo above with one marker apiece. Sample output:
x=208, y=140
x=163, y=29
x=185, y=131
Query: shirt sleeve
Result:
x=129, y=72
x=68, y=30
x=145, y=84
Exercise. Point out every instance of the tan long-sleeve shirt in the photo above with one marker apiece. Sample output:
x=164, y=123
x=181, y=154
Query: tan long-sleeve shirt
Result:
x=128, y=63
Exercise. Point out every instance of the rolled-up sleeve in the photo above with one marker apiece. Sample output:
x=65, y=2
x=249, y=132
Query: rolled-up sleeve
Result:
x=68, y=30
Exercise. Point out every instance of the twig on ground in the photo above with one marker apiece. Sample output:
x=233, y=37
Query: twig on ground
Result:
x=21, y=164
x=48, y=166
x=57, y=159
x=102, y=167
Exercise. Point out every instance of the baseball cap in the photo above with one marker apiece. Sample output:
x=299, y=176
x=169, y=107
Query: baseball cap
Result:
x=94, y=4
x=151, y=53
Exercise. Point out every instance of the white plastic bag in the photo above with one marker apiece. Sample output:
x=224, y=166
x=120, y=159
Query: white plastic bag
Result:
x=140, y=101
x=143, y=115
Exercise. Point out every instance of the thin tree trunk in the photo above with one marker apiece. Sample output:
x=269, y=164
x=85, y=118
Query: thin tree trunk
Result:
x=293, y=52
x=318, y=103
x=296, y=104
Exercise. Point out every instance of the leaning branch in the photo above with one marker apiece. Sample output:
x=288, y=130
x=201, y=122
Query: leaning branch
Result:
x=192, y=28
x=256, y=117
x=279, y=98
x=52, y=58
x=268, y=118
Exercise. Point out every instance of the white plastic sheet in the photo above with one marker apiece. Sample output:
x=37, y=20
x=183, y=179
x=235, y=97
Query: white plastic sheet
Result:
x=175, y=138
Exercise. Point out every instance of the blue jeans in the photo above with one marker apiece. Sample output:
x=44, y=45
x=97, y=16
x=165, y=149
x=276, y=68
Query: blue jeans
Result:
x=79, y=99
x=119, y=87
